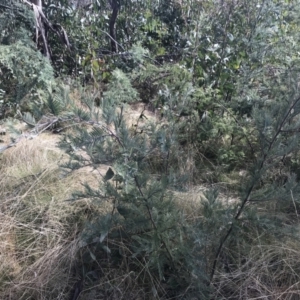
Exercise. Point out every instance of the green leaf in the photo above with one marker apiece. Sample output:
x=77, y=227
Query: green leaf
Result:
x=123, y=211
x=103, y=236
x=109, y=174
x=106, y=249
x=92, y=256
x=29, y=119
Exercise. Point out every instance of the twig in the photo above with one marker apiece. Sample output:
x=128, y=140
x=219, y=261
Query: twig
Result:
x=112, y=39
x=152, y=221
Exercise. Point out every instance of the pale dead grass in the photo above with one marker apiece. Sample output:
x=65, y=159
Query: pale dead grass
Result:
x=270, y=271
x=38, y=228
x=133, y=114
x=191, y=201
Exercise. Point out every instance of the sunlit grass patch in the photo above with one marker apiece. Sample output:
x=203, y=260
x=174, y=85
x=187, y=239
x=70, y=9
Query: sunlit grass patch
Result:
x=38, y=227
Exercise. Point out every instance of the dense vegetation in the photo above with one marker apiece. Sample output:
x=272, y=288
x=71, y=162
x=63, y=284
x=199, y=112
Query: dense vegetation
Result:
x=178, y=167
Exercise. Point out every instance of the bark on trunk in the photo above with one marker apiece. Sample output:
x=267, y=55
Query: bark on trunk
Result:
x=115, y=5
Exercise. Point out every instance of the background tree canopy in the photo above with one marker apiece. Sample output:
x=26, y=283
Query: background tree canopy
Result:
x=188, y=114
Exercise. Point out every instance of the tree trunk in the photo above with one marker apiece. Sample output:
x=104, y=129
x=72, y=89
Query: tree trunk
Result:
x=115, y=5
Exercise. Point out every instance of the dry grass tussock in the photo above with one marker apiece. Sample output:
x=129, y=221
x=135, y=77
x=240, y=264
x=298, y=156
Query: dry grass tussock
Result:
x=38, y=228
x=270, y=271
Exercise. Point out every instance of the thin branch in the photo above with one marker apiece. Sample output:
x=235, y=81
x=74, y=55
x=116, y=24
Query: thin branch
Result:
x=6, y=7
x=237, y=122
x=41, y=20
x=112, y=39
x=292, y=196
x=152, y=221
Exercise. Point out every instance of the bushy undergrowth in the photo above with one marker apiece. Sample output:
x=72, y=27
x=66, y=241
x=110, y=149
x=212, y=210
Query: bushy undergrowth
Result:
x=136, y=228
x=179, y=175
